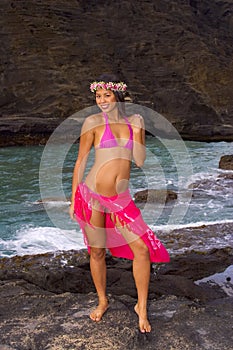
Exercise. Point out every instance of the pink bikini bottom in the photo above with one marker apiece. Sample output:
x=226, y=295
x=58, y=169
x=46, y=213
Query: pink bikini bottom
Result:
x=119, y=211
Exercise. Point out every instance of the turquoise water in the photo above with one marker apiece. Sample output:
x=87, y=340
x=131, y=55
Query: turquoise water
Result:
x=31, y=173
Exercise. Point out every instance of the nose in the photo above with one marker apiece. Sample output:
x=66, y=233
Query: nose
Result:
x=102, y=98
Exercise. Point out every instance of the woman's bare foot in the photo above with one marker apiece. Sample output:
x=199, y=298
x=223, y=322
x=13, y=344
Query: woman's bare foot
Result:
x=144, y=324
x=97, y=314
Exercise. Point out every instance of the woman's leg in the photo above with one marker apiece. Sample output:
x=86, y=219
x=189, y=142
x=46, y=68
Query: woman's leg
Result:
x=141, y=273
x=98, y=272
x=96, y=240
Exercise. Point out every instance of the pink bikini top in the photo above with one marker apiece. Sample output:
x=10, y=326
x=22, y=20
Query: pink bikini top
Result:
x=108, y=140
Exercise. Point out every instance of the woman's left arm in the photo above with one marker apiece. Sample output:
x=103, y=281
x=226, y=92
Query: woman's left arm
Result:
x=139, y=148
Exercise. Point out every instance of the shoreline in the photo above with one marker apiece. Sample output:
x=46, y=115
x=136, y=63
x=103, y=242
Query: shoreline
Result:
x=199, y=237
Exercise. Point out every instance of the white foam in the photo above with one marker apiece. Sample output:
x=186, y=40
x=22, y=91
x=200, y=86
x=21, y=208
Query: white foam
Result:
x=52, y=203
x=202, y=176
x=190, y=225
x=36, y=240
x=211, y=176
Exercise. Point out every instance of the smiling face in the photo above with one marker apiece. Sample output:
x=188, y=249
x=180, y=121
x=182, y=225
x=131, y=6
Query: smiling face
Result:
x=106, y=100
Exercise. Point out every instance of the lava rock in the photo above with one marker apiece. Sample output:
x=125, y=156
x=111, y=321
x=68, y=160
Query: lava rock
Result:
x=155, y=196
x=226, y=162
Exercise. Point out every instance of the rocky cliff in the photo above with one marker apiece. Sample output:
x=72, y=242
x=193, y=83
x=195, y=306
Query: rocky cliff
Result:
x=176, y=57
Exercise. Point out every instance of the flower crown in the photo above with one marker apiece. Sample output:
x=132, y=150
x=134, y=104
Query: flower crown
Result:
x=108, y=86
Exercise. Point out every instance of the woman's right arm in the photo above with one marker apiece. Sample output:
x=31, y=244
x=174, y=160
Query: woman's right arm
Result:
x=85, y=144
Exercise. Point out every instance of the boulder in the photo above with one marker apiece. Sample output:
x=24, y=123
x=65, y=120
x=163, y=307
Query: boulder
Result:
x=226, y=162
x=154, y=196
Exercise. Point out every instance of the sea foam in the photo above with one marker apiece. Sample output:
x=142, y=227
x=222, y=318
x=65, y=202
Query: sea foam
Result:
x=36, y=240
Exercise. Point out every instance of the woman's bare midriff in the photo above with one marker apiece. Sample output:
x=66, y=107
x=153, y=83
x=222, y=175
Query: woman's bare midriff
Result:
x=110, y=173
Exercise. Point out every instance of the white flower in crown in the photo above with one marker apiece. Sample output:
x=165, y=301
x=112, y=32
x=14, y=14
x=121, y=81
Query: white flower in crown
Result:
x=108, y=86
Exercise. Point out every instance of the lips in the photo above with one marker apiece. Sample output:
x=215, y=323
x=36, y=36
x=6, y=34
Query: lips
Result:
x=104, y=106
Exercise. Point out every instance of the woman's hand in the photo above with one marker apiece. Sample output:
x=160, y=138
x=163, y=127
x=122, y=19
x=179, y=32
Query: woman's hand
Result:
x=71, y=211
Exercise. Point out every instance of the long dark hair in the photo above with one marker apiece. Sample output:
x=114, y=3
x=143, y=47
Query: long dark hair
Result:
x=120, y=96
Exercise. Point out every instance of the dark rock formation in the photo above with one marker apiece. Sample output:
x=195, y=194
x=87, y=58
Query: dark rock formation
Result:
x=45, y=301
x=154, y=196
x=69, y=272
x=226, y=162
x=176, y=57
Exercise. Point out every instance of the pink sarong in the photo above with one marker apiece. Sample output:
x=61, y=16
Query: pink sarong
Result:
x=121, y=209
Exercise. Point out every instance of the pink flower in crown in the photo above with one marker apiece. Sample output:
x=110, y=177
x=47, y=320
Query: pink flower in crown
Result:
x=110, y=85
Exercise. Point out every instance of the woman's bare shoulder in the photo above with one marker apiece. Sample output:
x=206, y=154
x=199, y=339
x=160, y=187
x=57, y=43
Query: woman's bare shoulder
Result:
x=92, y=121
x=136, y=120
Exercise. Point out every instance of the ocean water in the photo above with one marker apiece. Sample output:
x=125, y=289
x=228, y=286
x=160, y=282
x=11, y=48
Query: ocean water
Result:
x=29, y=225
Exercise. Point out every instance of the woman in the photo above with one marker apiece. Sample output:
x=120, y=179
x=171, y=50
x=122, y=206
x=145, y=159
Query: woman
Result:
x=102, y=204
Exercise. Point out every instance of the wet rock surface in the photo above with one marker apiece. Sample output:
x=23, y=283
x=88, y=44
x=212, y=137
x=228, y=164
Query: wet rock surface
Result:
x=45, y=302
x=154, y=196
x=182, y=56
x=226, y=162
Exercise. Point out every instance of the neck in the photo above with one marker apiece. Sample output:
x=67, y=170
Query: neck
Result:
x=114, y=115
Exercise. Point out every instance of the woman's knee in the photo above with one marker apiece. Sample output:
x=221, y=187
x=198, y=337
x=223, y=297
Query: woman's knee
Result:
x=140, y=249
x=97, y=253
